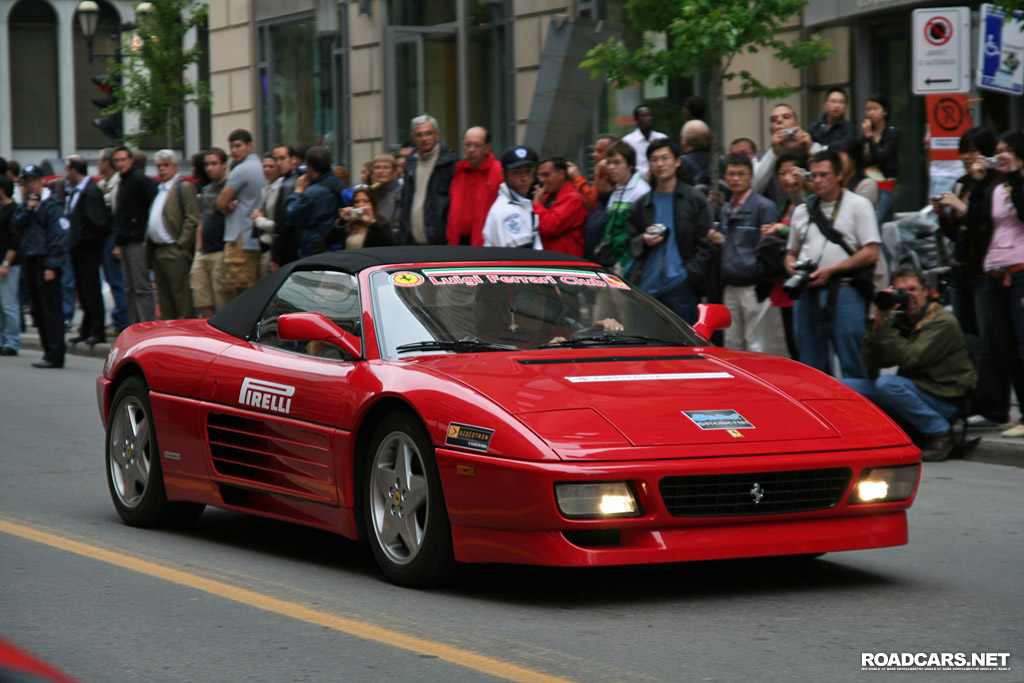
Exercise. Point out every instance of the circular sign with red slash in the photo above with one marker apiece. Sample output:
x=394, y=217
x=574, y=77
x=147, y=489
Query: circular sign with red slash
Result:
x=938, y=31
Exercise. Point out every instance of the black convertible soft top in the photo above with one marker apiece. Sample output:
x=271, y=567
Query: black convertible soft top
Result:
x=239, y=317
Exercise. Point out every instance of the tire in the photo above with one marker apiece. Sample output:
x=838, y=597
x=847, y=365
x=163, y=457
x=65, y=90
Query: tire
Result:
x=134, y=473
x=403, y=506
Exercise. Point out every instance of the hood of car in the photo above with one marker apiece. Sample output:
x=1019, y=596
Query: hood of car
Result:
x=623, y=398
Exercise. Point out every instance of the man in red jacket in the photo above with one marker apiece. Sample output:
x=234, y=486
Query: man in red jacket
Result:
x=561, y=211
x=474, y=188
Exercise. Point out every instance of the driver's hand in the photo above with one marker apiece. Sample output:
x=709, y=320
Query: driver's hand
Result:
x=610, y=325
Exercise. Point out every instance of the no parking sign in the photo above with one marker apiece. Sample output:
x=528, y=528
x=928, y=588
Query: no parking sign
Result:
x=942, y=50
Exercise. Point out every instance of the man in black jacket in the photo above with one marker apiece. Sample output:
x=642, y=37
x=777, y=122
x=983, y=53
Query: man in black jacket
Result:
x=668, y=235
x=135, y=193
x=90, y=226
x=43, y=251
x=428, y=175
x=285, y=246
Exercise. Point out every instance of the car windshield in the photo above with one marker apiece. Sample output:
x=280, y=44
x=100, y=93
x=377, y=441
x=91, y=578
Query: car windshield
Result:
x=472, y=309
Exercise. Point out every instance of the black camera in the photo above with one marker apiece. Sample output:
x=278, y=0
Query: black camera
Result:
x=795, y=286
x=888, y=299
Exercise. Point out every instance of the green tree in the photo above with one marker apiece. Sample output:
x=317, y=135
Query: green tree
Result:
x=151, y=78
x=706, y=36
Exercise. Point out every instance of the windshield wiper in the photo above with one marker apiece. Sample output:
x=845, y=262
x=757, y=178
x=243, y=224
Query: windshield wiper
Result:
x=455, y=345
x=608, y=339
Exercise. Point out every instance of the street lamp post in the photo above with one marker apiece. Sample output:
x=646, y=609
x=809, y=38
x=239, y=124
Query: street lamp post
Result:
x=88, y=16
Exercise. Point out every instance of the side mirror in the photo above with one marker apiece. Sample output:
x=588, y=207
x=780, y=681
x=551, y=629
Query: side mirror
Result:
x=303, y=327
x=711, y=317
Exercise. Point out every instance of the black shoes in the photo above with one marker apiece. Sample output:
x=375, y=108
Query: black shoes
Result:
x=45, y=364
x=90, y=341
x=937, y=448
x=8, y=351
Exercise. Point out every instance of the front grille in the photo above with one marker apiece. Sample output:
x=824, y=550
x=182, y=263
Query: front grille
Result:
x=725, y=495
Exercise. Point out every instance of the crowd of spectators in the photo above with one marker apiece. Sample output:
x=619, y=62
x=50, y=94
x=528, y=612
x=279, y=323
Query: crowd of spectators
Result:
x=788, y=238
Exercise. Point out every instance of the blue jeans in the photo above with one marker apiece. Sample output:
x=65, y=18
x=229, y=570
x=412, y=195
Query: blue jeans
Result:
x=67, y=288
x=885, y=200
x=913, y=408
x=848, y=330
x=10, y=310
x=1004, y=326
x=115, y=279
x=682, y=300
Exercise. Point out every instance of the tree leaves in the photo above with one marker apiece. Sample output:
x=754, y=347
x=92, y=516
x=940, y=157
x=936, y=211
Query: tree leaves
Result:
x=154, y=70
x=701, y=30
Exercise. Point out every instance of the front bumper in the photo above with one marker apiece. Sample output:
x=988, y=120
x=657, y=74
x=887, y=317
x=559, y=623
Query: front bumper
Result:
x=505, y=511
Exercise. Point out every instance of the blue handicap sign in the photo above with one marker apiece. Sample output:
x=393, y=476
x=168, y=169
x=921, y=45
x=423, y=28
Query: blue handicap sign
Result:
x=998, y=64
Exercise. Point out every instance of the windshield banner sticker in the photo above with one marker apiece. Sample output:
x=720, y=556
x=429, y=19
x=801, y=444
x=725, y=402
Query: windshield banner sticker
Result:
x=520, y=276
x=577, y=379
x=468, y=436
x=406, y=279
x=718, y=419
x=259, y=393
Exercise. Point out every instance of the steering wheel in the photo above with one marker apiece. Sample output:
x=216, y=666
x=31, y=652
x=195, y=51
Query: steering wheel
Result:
x=589, y=331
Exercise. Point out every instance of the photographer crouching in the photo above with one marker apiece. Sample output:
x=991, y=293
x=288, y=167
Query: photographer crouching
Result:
x=924, y=340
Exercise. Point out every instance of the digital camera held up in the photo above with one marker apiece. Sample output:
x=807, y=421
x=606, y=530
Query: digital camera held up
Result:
x=888, y=299
x=795, y=286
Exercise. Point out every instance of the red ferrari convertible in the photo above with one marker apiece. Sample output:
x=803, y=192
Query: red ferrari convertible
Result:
x=460, y=404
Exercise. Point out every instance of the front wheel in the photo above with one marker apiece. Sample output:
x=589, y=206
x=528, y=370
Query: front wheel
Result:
x=404, y=509
x=134, y=474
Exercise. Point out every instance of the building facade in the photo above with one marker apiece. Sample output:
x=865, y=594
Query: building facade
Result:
x=350, y=74
x=46, y=86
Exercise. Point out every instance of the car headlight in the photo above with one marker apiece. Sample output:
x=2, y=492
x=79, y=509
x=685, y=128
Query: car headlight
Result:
x=596, y=501
x=885, y=484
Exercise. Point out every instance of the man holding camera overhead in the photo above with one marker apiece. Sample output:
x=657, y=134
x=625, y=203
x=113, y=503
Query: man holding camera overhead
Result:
x=935, y=370
x=832, y=249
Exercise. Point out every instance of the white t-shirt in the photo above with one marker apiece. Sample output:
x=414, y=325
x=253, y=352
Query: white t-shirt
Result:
x=638, y=142
x=855, y=221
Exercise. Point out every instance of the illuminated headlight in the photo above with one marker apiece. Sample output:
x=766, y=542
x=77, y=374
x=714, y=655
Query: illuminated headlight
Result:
x=596, y=501
x=885, y=484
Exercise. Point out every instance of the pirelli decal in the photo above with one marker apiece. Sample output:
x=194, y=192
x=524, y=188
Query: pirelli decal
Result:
x=468, y=436
x=260, y=393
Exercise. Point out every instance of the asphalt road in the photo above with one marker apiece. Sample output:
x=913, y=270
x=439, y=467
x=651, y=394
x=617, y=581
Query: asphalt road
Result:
x=237, y=598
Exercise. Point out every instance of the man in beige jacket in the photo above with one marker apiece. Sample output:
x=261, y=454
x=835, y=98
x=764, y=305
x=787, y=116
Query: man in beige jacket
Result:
x=171, y=237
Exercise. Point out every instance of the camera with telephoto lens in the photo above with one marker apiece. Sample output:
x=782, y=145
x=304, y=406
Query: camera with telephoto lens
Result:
x=795, y=286
x=888, y=299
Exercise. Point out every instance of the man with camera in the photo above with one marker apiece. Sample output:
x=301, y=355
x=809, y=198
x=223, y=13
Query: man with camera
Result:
x=668, y=227
x=788, y=135
x=925, y=341
x=832, y=249
x=43, y=230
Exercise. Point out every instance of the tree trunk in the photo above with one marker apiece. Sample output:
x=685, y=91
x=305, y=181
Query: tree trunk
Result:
x=717, y=126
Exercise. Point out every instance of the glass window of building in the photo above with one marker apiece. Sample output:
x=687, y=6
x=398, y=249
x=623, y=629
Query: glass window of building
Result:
x=425, y=68
x=297, y=105
x=32, y=31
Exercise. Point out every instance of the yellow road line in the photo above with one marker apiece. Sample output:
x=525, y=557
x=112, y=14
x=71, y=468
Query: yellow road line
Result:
x=464, y=658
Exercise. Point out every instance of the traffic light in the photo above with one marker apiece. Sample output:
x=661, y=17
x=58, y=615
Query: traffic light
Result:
x=109, y=124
